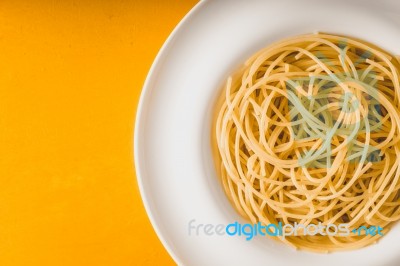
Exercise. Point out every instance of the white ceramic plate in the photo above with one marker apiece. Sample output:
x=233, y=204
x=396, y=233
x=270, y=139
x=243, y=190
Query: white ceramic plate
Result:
x=172, y=136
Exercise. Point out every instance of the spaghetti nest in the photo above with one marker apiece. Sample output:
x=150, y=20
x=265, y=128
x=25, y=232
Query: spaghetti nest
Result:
x=307, y=132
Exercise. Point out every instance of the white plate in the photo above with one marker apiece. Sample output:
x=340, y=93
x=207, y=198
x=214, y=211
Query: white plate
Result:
x=172, y=136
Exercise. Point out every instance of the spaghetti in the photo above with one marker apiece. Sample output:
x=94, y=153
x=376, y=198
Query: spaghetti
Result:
x=307, y=132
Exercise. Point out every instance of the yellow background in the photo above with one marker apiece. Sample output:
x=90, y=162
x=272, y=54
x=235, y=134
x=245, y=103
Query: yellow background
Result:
x=71, y=74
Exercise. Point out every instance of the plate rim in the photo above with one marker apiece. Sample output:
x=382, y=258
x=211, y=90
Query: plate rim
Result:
x=139, y=124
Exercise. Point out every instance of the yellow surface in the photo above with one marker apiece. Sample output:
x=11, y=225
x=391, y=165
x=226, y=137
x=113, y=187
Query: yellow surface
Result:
x=71, y=73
